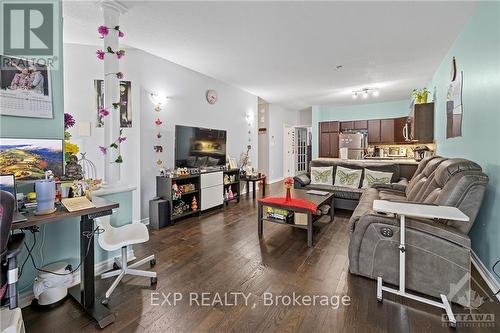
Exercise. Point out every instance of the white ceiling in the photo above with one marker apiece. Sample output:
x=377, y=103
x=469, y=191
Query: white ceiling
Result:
x=286, y=52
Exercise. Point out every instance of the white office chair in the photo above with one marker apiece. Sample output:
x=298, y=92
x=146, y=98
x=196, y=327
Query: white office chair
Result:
x=112, y=239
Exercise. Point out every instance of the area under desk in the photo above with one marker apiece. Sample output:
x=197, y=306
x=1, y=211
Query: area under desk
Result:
x=84, y=293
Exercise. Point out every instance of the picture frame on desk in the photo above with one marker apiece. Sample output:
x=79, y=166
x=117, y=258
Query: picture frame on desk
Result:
x=232, y=163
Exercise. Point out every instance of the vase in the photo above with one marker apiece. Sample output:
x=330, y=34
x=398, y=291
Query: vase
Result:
x=288, y=195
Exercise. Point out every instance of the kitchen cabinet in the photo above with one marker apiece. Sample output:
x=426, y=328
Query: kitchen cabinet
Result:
x=387, y=130
x=329, y=139
x=400, y=125
x=360, y=124
x=374, y=131
x=346, y=126
x=422, y=123
x=329, y=145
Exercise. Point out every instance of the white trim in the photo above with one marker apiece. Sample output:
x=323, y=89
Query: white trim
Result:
x=27, y=297
x=144, y=221
x=490, y=280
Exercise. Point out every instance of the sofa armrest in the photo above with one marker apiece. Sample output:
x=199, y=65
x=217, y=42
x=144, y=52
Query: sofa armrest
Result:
x=301, y=180
x=400, y=186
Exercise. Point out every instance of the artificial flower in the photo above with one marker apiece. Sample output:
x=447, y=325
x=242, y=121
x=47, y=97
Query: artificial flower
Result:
x=104, y=150
x=158, y=121
x=121, y=139
x=100, y=54
x=71, y=148
x=103, y=30
x=121, y=34
x=288, y=182
x=116, y=105
x=123, y=102
x=103, y=112
x=69, y=121
x=119, y=75
x=120, y=54
x=119, y=159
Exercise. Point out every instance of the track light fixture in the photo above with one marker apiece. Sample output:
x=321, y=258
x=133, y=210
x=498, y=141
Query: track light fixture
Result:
x=365, y=92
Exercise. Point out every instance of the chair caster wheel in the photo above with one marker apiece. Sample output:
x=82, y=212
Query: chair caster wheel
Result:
x=154, y=281
x=105, y=301
x=115, y=266
x=152, y=262
x=453, y=325
x=379, y=300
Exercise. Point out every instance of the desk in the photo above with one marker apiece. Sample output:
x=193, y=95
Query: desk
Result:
x=255, y=180
x=84, y=293
x=416, y=210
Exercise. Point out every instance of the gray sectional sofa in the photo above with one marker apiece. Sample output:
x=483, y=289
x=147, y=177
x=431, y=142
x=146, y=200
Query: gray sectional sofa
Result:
x=438, y=252
x=348, y=198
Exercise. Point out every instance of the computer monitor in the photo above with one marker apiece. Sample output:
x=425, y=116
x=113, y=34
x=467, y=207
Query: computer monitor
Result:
x=28, y=159
x=8, y=183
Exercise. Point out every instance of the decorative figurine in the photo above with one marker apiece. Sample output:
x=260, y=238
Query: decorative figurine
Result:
x=73, y=169
x=225, y=195
x=226, y=179
x=230, y=194
x=176, y=193
x=194, y=204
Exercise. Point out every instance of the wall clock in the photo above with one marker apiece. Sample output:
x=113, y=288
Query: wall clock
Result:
x=211, y=96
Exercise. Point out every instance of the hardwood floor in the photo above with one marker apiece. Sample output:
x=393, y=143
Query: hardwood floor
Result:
x=220, y=252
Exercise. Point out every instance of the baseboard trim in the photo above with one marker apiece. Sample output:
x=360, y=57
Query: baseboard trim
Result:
x=272, y=181
x=490, y=280
x=144, y=221
x=27, y=297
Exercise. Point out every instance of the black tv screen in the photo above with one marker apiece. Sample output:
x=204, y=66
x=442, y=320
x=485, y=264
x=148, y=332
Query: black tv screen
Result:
x=197, y=147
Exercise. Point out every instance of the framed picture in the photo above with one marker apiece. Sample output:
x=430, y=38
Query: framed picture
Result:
x=25, y=88
x=232, y=163
x=125, y=96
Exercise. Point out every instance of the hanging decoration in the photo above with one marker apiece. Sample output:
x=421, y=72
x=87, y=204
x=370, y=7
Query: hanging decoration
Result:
x=104, y=112
x=157, y=147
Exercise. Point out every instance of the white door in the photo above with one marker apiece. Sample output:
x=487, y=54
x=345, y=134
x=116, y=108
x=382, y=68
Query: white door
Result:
x=288, y=151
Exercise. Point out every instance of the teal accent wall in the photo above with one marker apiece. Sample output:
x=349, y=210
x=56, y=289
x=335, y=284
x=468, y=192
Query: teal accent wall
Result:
x=381, y=110
x=477, y=52
x=59, y=240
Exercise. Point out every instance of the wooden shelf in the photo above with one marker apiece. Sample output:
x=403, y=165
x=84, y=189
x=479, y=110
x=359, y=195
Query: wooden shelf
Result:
x=278, y=221
x=232, y=183
x=191, y=212
x=190, y=192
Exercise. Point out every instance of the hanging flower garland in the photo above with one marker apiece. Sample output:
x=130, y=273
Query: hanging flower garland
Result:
x=104, y=112
x=115, y=145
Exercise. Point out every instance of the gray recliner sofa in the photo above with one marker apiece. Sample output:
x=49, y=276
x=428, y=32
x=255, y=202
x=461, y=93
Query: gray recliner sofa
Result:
x=438, y=252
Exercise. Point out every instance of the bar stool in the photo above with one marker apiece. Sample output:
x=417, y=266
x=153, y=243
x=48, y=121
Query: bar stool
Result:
x=114, y=238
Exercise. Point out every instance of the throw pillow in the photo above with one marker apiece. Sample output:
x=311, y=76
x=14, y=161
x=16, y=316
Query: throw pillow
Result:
x=322, y=175
x=347, y=177
x=374, y=177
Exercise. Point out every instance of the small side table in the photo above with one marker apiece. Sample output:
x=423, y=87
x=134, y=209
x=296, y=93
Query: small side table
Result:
x=255, y=180
x=404, y=209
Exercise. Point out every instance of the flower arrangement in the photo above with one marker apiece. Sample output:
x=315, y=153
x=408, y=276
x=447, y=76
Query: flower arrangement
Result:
x=420, y=95
x=115, y=145
x=104, y=31
x=69, y=148
x=288, y=182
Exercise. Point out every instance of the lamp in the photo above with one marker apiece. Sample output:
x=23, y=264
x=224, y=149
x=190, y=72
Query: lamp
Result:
x=365, y=93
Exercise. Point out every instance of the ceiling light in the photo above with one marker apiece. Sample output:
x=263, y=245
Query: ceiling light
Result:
x=339, y=67
x=354, y=95
x=375, y=93
x=365, y=94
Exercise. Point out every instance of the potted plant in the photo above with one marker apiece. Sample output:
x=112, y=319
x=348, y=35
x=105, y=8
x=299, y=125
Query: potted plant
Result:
x=420, y=95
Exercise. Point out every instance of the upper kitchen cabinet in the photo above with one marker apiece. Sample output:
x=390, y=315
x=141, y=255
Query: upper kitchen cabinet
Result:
x=329, y=139
x=422, y=123
x=361, y=124
x=387, y=130
x=346, y=126
x=400, y=130
x=329, y=127
x=373, y=131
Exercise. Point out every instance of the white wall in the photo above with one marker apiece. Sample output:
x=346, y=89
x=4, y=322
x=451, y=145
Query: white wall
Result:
x=278, y=118
x=304, y=117
x=187, y=106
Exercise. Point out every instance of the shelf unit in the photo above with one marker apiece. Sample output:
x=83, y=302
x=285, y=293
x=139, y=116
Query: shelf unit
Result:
x=164, y=191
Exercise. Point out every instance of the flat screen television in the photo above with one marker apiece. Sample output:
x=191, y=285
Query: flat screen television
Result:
x=27, y=159
x=197, y=147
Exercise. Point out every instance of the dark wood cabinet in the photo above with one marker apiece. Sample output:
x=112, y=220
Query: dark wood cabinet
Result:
x=423, y=123
x=329, y=139
x=400, y=130
x=387, y=130
x=361, y=124
x=346, y=126
x=374, y=131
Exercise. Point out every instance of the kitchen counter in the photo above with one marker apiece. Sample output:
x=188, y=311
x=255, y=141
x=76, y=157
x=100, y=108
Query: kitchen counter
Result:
x=388, y=160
